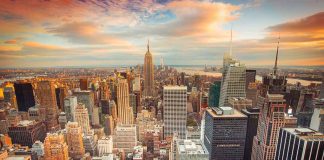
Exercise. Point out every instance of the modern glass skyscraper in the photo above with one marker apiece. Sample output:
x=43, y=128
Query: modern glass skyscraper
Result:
x=214, y=94
x=175, y=110
x=233, y=84
x=148, y=73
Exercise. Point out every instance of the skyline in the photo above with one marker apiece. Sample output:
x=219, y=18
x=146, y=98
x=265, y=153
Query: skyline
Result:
x=103, y=33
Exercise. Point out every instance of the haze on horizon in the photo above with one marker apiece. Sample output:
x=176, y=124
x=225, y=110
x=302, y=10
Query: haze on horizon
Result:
x=51, y=33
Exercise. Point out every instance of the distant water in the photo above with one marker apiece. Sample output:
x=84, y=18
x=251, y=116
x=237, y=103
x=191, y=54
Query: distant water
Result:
x=199, y=71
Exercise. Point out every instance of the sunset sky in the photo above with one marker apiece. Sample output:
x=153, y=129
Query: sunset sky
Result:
x=47, y=33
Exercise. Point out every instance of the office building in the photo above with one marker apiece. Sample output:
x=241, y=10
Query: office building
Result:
x=104, y=90
x=82, y=118
x=146, y=122
x=55, y=147
x=105, y=146
x=233, y=84
x=70, y=104
x=125, y=137
x=132, y=103
x=89, y=143
x=62, y=120
x=250, y=77
x=175, y=110
x=60, y=93
x=300, y=144
x=45, y=92
x=148, y=73
x=84, y=84
x=322, y=88
x=38, y=147
x=74, y=140
x=214, y=94
x=225, y=133
x=137, y=84
x=27, y=132
x=86, y=98
x=317, y=120
x=34, y=113
x=124, y=111
x=10, y=97
x=191, y=150
x=251, y=129
x=240, y=103
x=272, y=115
x=24, y=95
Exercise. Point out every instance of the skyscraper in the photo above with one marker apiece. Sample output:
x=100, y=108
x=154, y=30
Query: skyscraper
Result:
x=84, y=84
x=74, y=140
x=47, y=104
x=250, y=77
x=214, y=94
x=55, y=147
x=322, y=87
x=24, y=95
x=300, y=143
x=124, y=111
x=86, y=98
x=175, y=110
x=251, y=129
x=272, y=115
x=233, y=84
x=9, y=96
x=224, y=136
x=69, y=105
x=148, y=73
x=81, y=116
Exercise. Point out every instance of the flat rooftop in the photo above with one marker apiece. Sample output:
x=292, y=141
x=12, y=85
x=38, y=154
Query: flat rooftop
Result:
x=191, y=147
x=235, y=114
x=305, y=133
x=175, y=87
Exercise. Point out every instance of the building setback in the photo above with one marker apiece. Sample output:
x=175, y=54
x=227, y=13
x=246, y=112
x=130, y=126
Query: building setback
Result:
x=300, y=143
x=225, y=133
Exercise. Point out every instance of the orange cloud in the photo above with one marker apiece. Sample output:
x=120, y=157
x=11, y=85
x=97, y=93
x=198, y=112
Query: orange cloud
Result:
x=310, y=24
x=9, y=48
x=199, y=17
x=41, y=46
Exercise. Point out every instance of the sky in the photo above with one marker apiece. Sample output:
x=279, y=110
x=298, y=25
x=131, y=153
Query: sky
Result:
x=51, y=33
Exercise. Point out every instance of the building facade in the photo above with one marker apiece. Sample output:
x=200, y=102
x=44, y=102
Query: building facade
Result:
x=225, y=133
x=74, y=140
x=175, y=110
x=300, y=143
x=148, y=73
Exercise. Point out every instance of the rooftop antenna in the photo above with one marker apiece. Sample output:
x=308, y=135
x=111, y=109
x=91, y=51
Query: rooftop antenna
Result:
x=275, y=68
x=148, y=45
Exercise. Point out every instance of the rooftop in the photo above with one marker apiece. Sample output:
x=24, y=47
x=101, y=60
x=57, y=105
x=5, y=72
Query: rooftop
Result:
x=191, y=147
x=306, y=133
x=175, y=87
x=235, y=112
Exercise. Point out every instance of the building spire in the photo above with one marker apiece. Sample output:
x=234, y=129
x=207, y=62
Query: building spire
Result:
x=148, y=45
x=275, y=68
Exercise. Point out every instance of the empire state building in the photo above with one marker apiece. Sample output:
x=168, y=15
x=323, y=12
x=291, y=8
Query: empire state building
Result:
x=148, y=73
